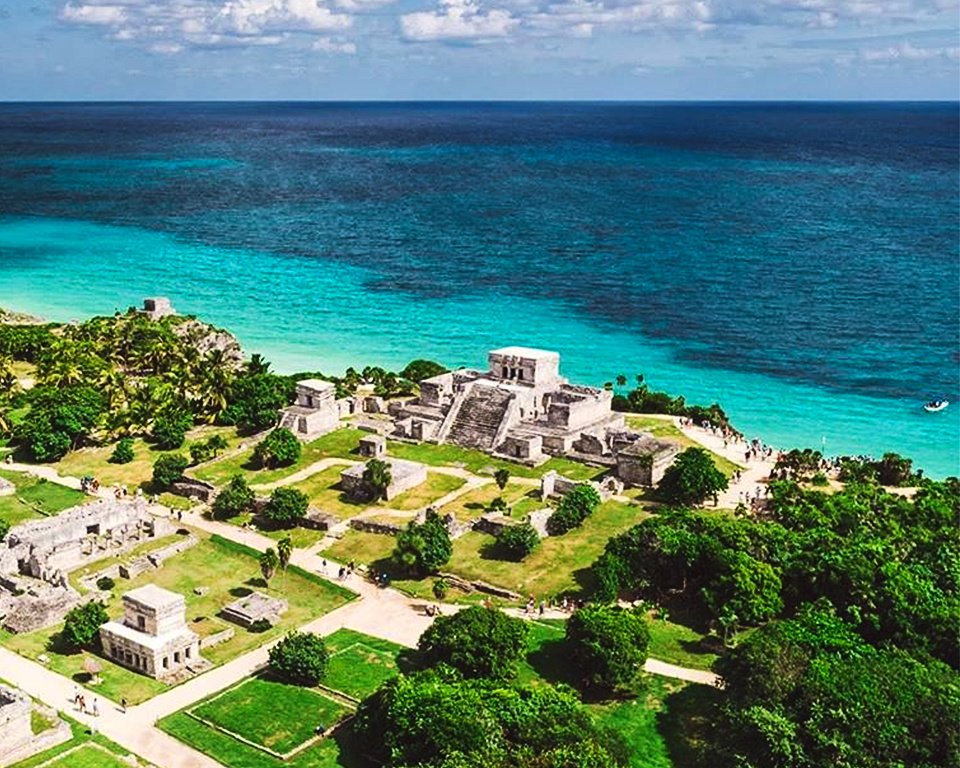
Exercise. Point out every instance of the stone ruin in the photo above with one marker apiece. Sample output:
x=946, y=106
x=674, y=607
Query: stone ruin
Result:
x=404, y=474
x=316, y=411
x=17, y=740
x=523, y=410
x=153, y=637
x=157, y=307
x=253, y=608
x=36, y=556
x=6, y=487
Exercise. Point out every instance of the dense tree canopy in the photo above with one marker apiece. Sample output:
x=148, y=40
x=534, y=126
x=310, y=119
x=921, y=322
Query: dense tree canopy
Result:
x=418, y=370
x=691, y=479
x=575, y=507
x=300, y=658
x=81, y=628
x=435, y=720
x=286, y=507
x=235, y=499
x=423, y=548
x=515, y=542
x=477, y=642
x=169, y=468
x=278, y=449
x=608, y=646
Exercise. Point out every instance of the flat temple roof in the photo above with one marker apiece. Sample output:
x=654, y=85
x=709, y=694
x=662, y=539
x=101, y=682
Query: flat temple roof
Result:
x=153, y=596
x=529, y=352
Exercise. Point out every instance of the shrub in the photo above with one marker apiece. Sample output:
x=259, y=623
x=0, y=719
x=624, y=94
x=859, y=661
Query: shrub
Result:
x=81, y=628
x=692, y=478
x=123, y=453
x=578, y=504
x=260, y=625
x=418, y=370
x=170, y=428
x=279, y=448
x=608, y=646
x=423, y=547
x=477, y=642
x=168, y=469
x=300, y=658
x=105, y=583
x=286, y=508
x=498, y=504
x=233, y=500
x=518, y=541
x=376, y=479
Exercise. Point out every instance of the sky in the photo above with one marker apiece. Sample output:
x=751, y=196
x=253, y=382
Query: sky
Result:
x=479, y=49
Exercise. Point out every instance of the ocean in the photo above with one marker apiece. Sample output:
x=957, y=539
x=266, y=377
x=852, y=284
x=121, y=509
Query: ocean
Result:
x=796, y=262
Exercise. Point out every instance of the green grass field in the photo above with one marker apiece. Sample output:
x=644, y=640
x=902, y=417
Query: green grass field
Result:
x=226, y=571
x=82, y=750
x=558, y=565
x=341, y=443
x=270, y=713
x=35, y=497
x=359, y=664
x=361, y=547
x=663, y=426
x=93, y=461
x=474, y=503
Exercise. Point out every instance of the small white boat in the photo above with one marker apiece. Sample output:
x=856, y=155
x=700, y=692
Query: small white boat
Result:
x=936, y=405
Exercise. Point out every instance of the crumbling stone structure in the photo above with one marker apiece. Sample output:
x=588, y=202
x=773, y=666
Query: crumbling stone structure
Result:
x=316, y=411
x=253, y=608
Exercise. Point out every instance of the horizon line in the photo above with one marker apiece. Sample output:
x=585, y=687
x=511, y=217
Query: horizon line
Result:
x=479, y=101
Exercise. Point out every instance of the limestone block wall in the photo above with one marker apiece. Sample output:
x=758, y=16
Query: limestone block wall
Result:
x=164, y=661
x=15, y=729
x=157, y=620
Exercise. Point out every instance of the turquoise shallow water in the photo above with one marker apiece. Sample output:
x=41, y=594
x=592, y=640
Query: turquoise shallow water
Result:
x=324, y=315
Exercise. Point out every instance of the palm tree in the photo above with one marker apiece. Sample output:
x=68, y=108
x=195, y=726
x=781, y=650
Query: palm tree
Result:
x=258, y=365
x=377, y=477
x=284, y=552
x=268, y=564
x=621, y=380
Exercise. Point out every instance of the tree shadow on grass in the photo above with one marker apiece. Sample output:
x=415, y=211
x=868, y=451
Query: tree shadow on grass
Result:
x=552, y=662
x=351, y=749
x=706, y=644
x=240, y=591
x=687, y=723
x=492, y=550
x=256, y=581
x=57, y=644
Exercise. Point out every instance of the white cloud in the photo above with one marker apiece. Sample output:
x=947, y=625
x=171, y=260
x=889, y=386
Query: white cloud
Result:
x=169, y=26
x=326, y=45
x=907, y=52
x=107, y=15
x=458, y=20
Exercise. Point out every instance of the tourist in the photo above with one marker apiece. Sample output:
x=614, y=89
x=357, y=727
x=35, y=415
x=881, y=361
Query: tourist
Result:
x=96, y=708
x=543, y=607
x=76, y=697
x=123, y=705
x=83, y=704
x=179, y=515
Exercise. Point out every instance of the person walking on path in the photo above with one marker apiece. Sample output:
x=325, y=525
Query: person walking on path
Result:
x=96, y=709
x=123, y=705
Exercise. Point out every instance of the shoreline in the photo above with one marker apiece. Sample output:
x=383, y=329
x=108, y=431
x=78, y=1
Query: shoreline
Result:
x=741, y=420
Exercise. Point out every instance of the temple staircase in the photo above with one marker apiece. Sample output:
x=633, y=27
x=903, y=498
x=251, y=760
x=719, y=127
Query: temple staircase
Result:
x=478, y=420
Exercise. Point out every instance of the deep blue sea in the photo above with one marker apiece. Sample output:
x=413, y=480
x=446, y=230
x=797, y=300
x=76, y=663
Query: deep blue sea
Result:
x=797, y=263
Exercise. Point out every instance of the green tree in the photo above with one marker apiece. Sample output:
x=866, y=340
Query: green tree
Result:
x=608, y=646
x=746, y=586
x=255, y=400
x=286, y=507
x=377, y=478
x=81, y=627
x=501, y=477
x=4, y=530
x=269, y=562
x=518, y=541
x=300, y=658
x=279, y=448
x=123, y=452
x=235, y=499
x=169, y=468
x=575, y=507
x=418, y=370
x=170, y=428
x=477, y=642
x=692, y=478
x=423, y=548
x=284, y=552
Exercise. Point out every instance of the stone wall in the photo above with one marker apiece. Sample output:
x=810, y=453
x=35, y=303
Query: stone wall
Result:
x=192, y=488
x=17, y=740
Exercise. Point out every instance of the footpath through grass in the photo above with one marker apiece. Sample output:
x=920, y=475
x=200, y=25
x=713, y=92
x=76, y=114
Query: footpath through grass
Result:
x=82, y=750
x=210, y=575
x=665, y=428
x=35, y=497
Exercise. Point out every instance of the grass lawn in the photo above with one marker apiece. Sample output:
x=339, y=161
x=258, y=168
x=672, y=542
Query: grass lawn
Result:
x=93, y=461
x=474, y=503
x=436, y=487
x=271, y=713
x=558, y=565
x=227, y=571
x=481, y=464
x=359, y=664
x=324, y=493
x=301, y=538
x=340, y=443
x=82, y=750
x=663, y=727
x=34, y=497
x=361, y=547
x=335, y=752
x=141, y=549
x=665, y=428
x=680, y=645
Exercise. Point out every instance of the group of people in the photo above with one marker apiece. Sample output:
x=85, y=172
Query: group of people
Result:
x=80, y=704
